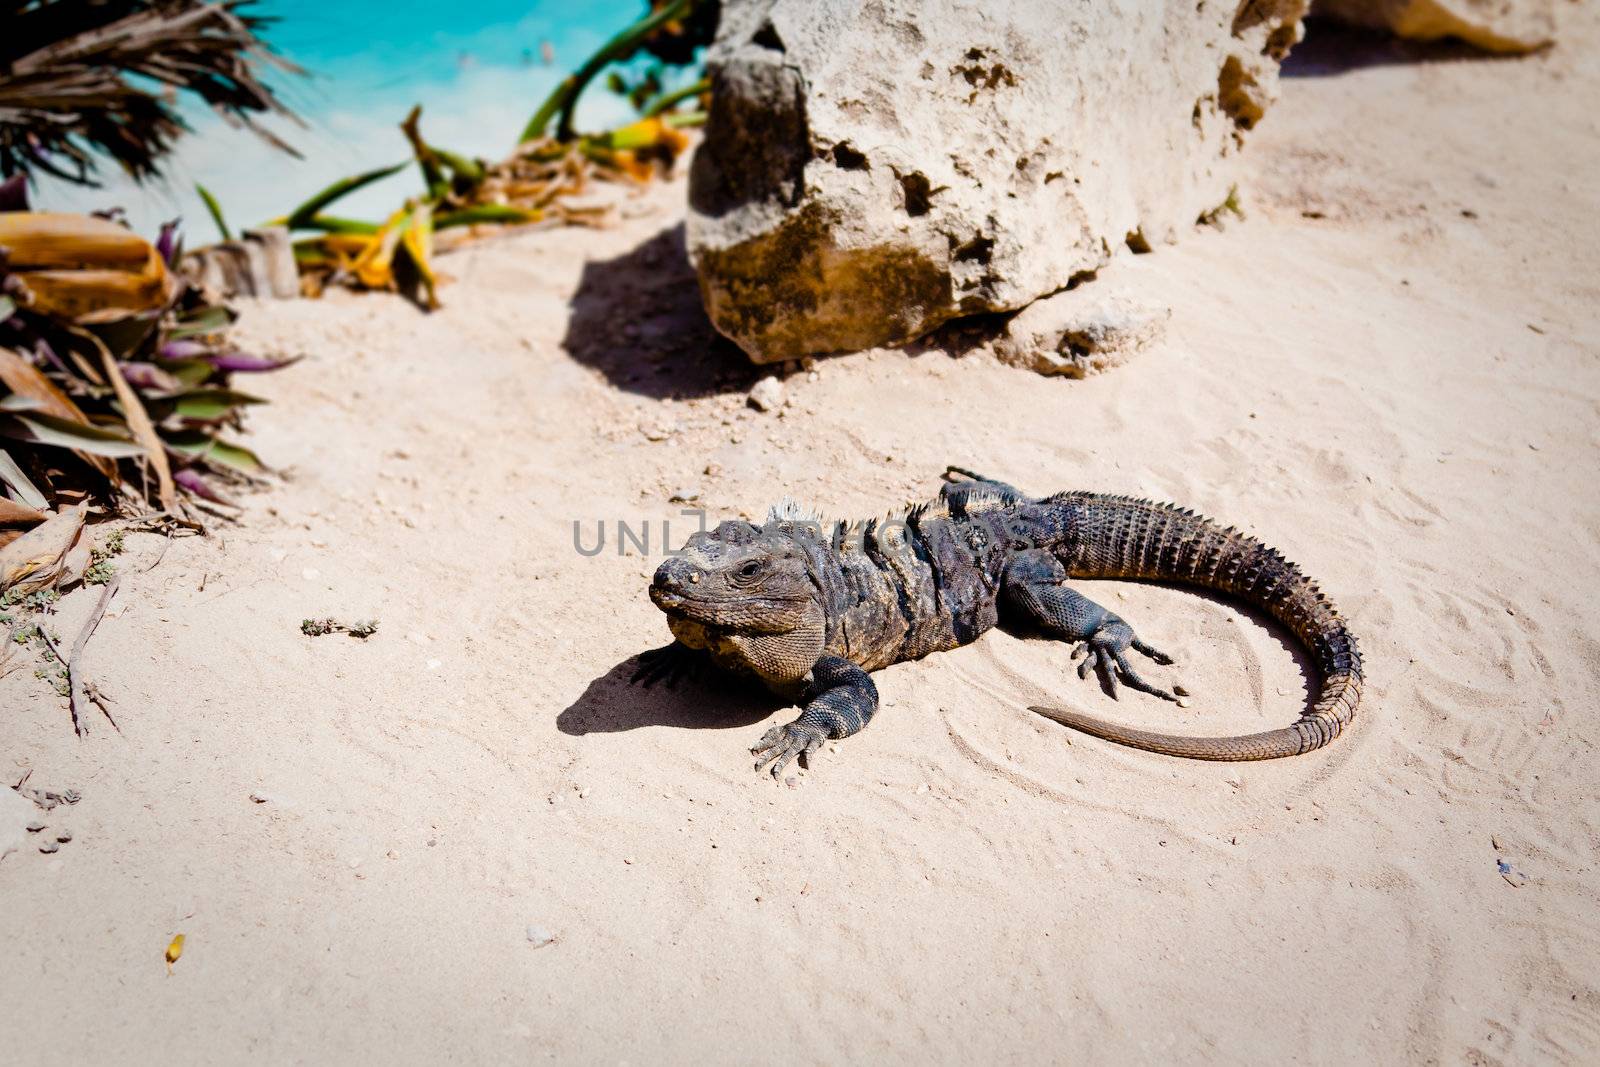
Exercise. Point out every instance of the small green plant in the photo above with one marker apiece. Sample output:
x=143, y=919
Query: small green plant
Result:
x=57, y=677
x=101, y=570
x=322, y=627
x=42, y=601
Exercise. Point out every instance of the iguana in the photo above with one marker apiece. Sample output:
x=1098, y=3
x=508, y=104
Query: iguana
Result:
x=810, y=609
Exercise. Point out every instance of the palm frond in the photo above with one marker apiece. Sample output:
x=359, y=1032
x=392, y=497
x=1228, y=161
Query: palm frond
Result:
x=75, y=74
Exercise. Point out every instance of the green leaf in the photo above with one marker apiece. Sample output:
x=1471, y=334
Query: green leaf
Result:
x=565, y=96
x=215, y=450
x=485, y=213
x=45, y=429
x=465, y=168
x=677, y=96
x=334, y=224
x=7, y=306
x=187, y=371
x=216, y=211
x=127, y=334
x=197, y=323
x=205, y=404
x=301, y=216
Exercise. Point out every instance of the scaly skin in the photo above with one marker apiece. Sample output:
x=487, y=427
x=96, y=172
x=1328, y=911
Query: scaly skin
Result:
x=811, y=609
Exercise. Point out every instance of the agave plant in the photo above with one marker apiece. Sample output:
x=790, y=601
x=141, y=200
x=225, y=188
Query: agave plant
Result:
x=80, y=78
x=115, y=373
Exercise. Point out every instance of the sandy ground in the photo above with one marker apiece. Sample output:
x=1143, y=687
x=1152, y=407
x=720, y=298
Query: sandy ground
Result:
x=1390, y=370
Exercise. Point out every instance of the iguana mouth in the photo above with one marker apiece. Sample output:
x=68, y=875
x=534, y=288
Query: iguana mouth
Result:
x=677, y=602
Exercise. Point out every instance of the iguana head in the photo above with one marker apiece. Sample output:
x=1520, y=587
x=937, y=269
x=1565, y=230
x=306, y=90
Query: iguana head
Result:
x=739, y=578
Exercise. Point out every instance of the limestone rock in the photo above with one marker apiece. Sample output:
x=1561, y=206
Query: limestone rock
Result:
x=1493, y=25
x=767, y=394
x=1080, y=331
x=873, y=170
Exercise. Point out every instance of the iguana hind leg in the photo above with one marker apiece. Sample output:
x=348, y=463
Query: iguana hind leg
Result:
x=840, y=699
x=959, y=479
x=1033, y=584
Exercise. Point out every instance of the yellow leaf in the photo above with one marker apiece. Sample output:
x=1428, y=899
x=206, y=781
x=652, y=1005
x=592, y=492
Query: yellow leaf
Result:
x=174, y=950
x=374, y=268
x=630, y=164
x=139, y=423
x=38, y=559
x=83, y=268
x=418, y=242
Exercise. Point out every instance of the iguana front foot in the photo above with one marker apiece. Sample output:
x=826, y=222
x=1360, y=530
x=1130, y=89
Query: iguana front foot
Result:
x=781, y=744
x=1105, y=651
x=840, y=699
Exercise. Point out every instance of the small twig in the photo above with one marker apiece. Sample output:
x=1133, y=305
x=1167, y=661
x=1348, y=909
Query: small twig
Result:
x=167, y=543
x=100, y=700
x=75, y=684
x=79, y=727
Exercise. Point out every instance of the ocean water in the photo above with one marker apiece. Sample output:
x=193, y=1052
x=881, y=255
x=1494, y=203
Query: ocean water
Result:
x=479, y=70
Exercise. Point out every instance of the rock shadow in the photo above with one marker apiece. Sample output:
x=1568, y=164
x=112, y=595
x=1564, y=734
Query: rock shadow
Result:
x=716, y=702
x=1332, y=48
x=638, y=320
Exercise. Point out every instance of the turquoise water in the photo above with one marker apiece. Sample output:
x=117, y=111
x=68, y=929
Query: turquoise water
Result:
x=478, y=69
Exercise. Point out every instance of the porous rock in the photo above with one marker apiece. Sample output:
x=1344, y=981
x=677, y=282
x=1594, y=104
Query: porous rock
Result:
x=871, y=170
x=1081, y=331
x=1493, y=25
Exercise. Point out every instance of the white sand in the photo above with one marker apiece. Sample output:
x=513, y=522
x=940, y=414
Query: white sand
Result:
x=1401, y=398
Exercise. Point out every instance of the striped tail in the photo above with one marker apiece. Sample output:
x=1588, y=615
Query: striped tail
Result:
x=1123, y=537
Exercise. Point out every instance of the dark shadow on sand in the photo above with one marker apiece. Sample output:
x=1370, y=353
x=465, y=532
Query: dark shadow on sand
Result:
x=1332, y=48
x=714, y=701
x=638, y=320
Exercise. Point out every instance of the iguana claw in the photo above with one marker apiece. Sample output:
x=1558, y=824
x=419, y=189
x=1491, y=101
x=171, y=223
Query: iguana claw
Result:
x=781, y=744
x=1107, y=654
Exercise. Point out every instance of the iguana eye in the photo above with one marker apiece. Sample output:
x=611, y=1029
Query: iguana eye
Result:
x=749, y=569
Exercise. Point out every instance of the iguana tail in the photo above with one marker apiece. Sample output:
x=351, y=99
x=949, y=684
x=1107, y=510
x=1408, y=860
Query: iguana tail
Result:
x=1123, y=537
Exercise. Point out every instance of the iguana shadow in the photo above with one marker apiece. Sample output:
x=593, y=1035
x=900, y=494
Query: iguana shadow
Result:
x=712, y=701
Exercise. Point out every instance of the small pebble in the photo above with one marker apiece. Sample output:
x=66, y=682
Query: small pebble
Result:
x=1179, y=690
x=35, y=826
x=539, y=936
x=49, y=846
x=686, y=495
x=1184, y=702
x=767, y=394
x=64, y=836
x=793, y=783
